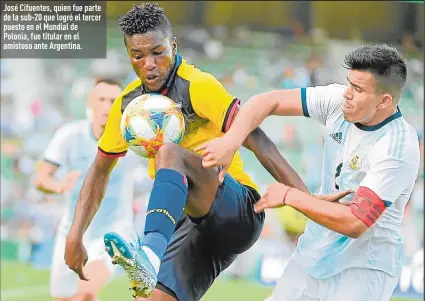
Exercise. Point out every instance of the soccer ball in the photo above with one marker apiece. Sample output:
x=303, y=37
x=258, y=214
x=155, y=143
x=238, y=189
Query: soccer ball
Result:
x=149, y=121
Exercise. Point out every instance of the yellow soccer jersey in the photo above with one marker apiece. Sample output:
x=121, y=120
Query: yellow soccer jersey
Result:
x=207, y=106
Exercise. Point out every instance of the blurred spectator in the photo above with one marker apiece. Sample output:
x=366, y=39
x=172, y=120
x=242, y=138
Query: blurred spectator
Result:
x=410, y=44
x=295, y=77
x=314, y=64
x=288, y=79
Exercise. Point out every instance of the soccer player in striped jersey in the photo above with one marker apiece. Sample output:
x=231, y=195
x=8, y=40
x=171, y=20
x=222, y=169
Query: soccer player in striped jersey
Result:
x=350, y=250
x=72, y=149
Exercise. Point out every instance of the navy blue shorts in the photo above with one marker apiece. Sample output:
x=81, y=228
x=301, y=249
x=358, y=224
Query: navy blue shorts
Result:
x=199, y=252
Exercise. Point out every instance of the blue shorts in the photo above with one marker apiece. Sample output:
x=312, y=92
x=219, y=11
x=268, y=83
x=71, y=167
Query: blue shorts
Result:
x=199, y=251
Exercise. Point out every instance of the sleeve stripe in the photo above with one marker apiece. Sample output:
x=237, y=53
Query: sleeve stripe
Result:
x=230, y=114
x=304, y=102
x=51, y=162
x=110, y=155
x=387, y=204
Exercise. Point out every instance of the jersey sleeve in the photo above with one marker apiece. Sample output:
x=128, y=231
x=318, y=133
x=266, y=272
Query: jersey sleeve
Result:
x=391, y=173
x=322, y=103
x=210, y=100
x=57, y=150
x=112, y=144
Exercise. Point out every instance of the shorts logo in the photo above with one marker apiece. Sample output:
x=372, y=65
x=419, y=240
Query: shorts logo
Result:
x=164, y=211
x=354, y=163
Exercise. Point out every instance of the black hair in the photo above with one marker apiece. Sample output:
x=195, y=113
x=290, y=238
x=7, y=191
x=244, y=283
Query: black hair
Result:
x=144, y=18
x=385, y=62
x=109, y=81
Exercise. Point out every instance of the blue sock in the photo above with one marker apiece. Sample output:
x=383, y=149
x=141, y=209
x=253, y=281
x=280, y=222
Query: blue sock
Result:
x=166, y=203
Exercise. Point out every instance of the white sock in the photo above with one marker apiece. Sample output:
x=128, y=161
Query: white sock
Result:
x=155, y=261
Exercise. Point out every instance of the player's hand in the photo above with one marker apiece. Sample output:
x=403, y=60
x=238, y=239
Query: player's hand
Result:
x=70, y=180
x=217, y=152
x=333, y=197
x=76, y=255
x=273, y=198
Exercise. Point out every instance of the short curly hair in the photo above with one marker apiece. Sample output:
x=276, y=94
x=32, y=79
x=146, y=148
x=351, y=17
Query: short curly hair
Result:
x=144, y=18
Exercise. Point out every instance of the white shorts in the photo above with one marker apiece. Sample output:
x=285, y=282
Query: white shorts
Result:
x=353, y=284
x=63, y=280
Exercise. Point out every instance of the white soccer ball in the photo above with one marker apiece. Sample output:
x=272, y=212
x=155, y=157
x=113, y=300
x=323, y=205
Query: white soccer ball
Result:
x=149, y=121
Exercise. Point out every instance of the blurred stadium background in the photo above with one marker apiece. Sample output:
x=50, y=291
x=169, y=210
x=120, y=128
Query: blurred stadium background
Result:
x=251, y=47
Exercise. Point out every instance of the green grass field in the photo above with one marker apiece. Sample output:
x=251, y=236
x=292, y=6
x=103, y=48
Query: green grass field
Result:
x=24, y=283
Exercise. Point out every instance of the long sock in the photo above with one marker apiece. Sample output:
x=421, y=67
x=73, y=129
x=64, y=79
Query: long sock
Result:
x=166, y=203
x=153, y=258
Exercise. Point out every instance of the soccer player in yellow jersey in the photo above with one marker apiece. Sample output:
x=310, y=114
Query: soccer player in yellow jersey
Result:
x=196, y=223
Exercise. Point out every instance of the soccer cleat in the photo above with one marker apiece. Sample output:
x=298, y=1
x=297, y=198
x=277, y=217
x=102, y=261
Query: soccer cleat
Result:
x=135, y=263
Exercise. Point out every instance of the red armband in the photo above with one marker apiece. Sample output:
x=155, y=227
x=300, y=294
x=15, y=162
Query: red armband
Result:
x=367, y=206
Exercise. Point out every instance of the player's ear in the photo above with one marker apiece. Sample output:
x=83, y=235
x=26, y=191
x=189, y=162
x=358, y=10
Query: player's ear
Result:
x=386, y=100
x=174, y=45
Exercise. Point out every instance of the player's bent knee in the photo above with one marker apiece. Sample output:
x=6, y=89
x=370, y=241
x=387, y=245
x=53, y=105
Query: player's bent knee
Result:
x=168, y=149
x=167, y=154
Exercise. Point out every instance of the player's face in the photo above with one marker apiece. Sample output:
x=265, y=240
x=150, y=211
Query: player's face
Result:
x=100, y=101
x=152, y=57
x=362, y=99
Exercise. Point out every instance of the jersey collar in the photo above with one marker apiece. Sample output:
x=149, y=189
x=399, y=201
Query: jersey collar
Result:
x=171, y=77
x=375, y=127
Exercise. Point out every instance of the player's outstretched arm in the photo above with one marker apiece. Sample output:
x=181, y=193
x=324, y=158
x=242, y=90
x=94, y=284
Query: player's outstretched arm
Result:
x=272, y=160
x=46, y=182
x=89, y=200
x=259, y=107
x=92, y=193
x=334, y=216
x=220, y=151
x=55, y=156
